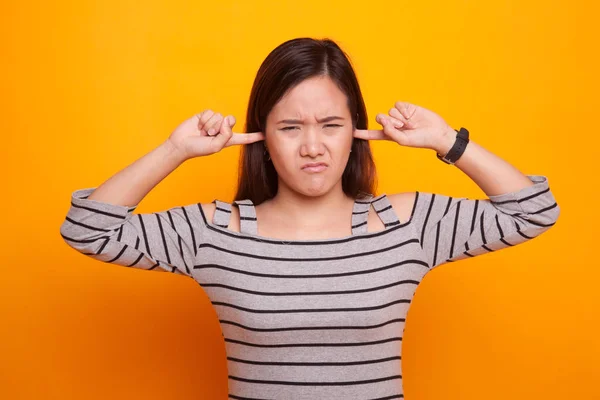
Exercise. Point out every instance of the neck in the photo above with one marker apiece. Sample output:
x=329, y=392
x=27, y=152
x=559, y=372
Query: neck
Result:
x=311, y=211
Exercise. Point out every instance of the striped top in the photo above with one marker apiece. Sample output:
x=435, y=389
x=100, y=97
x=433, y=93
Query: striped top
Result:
x=308, y=319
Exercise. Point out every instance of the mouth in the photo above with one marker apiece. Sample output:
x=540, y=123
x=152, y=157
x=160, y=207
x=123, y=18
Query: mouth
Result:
x=314, y=167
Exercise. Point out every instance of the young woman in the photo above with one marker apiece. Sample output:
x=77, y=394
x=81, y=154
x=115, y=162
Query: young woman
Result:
x=310, y=273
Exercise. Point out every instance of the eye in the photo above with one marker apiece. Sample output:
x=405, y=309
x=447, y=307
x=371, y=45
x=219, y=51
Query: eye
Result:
x=289, y=128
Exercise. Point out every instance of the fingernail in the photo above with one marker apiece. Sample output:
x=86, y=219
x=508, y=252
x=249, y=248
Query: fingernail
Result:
x=211, y=131
x=383, y=121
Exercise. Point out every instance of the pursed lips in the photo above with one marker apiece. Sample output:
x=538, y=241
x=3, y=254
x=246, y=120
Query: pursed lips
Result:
x=314, y=167
x=314, y=164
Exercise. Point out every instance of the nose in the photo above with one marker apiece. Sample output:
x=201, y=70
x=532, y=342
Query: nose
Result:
x=312, y=144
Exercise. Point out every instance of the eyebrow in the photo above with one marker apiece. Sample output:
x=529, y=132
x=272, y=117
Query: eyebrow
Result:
x=299, y=121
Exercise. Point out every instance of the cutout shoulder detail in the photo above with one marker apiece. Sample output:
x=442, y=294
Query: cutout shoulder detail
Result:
x=405, y=205
x=385, y=211
x=360, y=215
x=248, y=222
x=222, y=214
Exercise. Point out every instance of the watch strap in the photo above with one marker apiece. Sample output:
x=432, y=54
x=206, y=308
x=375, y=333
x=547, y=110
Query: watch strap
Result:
x=457, y=150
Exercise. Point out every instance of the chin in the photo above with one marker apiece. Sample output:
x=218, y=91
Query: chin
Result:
x=314, y=189
x=310, y=186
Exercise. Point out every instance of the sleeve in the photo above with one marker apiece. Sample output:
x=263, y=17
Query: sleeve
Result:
x=454, y=228
x=115, y=234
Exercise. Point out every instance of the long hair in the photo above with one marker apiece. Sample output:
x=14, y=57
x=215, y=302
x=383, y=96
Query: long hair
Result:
x=286, y=66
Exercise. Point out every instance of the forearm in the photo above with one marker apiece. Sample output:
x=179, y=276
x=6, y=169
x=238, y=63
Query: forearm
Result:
x=130, y=185
x=491, y=173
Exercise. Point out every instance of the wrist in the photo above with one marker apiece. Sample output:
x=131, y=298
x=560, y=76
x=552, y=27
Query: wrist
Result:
x=445, y=142
x=173, y=152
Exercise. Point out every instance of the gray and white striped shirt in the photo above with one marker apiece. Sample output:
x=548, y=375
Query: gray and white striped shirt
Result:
x=311, y=319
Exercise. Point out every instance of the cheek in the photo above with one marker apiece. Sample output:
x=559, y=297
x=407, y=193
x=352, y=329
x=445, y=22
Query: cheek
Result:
x=284, y=151
x=341, y=144
x=345, y=135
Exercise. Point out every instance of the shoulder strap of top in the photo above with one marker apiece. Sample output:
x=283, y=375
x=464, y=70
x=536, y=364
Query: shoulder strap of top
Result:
x=222, y=214
x=247, y=216
x=384, y=209
x=382, y=206
x=360, y=213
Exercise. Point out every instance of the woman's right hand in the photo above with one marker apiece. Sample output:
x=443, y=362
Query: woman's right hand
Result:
x=207, y=133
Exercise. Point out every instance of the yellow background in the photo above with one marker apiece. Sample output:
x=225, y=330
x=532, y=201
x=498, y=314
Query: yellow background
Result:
x=89, y=87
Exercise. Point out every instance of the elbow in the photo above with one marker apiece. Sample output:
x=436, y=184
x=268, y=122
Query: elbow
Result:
x=556, y=213
x=66, y=232
x=83, y=240
x=549, y=215
x=543, y=219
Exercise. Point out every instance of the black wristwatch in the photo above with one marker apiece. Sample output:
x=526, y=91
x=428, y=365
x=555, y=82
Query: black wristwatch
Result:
x=462, y=138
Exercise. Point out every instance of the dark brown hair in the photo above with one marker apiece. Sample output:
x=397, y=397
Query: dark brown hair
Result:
x=286, y=66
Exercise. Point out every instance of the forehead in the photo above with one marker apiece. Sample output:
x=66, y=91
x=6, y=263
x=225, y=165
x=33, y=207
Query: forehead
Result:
x=312, y=98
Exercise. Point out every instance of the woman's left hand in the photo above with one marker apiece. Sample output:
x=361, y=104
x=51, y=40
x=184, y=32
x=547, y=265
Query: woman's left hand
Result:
x=413, y=126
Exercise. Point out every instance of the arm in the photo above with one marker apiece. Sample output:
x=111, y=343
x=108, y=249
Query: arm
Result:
x=520, y=207
x=101, y=224
x=129, y=186
x=491, y=173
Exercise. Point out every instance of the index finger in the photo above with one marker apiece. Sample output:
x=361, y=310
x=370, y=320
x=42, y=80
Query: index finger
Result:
x=370, y=134
x=245, y=138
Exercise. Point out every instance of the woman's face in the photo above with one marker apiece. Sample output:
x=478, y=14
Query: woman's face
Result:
x=310, y=124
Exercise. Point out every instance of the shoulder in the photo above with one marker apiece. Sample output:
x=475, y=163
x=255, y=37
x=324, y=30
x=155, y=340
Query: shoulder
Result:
x=403, y=204
x=208, y=209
